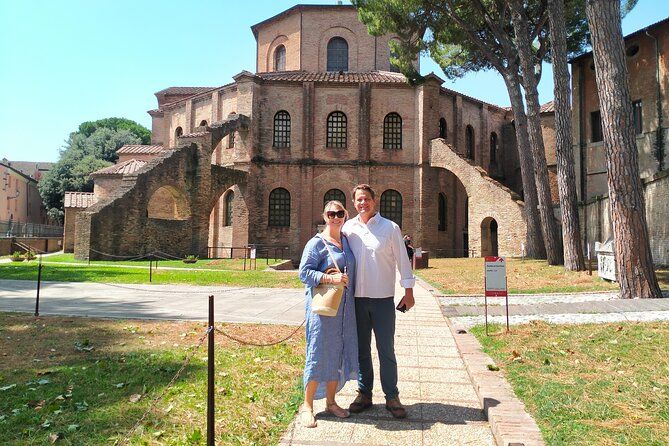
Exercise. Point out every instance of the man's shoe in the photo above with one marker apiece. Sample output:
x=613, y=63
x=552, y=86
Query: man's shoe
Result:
x=361, y=402
x=395, y=407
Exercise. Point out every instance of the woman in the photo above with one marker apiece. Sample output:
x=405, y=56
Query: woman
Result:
x=332, y=346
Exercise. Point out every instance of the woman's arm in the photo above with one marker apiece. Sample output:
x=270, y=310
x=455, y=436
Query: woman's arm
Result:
x=311, y=259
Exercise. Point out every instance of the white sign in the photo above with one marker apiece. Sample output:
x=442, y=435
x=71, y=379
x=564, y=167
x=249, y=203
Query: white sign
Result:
x=418, y=253
x=253, y=253
x=495, y=276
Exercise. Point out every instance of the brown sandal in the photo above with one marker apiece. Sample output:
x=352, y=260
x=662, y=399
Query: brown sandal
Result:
x=334, y=409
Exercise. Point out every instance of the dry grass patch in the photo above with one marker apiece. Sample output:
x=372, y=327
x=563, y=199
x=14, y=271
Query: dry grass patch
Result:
x=589, y=384
x=87, y=381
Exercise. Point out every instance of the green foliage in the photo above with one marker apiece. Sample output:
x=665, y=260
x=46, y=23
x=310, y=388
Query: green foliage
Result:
x=89, y=127
x=91, y=148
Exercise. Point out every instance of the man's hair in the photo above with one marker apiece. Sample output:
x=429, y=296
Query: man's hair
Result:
x=367, y=188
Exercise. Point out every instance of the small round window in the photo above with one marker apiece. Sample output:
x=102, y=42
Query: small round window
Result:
x=632, y=50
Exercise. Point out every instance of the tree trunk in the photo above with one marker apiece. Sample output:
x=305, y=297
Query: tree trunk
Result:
x=524, y=47
x=566, y=177
x=534, y=241
x=634, y=262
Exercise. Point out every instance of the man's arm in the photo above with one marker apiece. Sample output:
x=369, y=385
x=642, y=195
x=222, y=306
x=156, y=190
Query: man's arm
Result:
x=407, y=279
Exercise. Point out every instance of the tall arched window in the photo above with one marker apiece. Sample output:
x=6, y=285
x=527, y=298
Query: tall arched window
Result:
x=281, y=129
x=334, y=194
x=279, y=208
x=391, y=206
x=442, y=212
x=231, y=140
x=493, y=148
x=442, y=128
x=392, y=131
x=229, y=199
x=336, y=130
x=203, y=123
x=469, y=142
x=177, y=133
x=337, y=55
x=280, y=58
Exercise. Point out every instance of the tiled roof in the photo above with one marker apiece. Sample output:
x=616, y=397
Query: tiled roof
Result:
x=79, y=199
x=125, y=168
x=29, y=168
x=344, y=77
x=137, y=148
x=184, y=90
x=193, y=135
x=548, y=107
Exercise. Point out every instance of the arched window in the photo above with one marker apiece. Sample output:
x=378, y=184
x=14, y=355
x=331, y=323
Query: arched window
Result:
x=336, y=130
x=280, y=58
x=334, y=194
x=466, y=212
x=469, y=142
x=279, y=208
x=392, y=131
x=493, y=148
x=391, y=206
x=393, y=55
x=281, y=129
x=337, y=55
x=442, y=128
x=229, y=199
x=203, y=123
x=178, y=132
x=231, y=140
x=442, y=212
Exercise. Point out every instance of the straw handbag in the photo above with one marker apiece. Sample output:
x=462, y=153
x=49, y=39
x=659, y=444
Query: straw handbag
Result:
x=327, y=296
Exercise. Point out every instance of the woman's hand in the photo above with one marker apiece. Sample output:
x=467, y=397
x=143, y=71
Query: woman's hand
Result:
x=337, y=278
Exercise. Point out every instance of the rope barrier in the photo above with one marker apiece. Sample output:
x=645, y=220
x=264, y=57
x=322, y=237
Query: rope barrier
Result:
x=155, y=401
x=218, y=330
x=221, y=290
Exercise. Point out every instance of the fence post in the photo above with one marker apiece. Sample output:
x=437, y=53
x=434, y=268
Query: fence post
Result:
x=150, y=270
x=39, y=282
x=210, y=376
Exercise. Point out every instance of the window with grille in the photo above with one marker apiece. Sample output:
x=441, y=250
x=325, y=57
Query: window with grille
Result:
x=337, y=55
x=392, y=131
x=281, y=129
x=442, y=128
x=636, y=116
x=279, y=208
x=334, y=194
x=442, y=213
x=229, y=199
x=469, y=142
x=336, y=130
x=493, y=148
x=596, y=126
x=280, y=58
x=391, y=206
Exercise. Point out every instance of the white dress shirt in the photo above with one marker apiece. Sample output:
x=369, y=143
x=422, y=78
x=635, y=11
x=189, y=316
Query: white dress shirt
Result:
x=379, y=251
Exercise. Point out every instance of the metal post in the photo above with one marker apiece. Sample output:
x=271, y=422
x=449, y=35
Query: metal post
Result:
x=506, y=285
x=150, y=271
x=39, y=282
x=210, y=376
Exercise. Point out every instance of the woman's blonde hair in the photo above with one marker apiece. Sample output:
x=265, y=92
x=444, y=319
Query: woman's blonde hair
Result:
x=337, y=204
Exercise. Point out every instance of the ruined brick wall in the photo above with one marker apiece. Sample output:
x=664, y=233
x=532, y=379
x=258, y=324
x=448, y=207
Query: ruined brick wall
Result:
x=68, y=228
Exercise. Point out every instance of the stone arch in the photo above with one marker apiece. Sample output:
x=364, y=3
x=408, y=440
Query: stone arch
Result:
x=350, y=38
x=168, y=203
x=228, y=223
x=489, y=237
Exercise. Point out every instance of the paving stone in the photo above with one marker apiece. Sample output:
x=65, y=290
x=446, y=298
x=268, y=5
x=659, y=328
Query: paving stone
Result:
x=387, y=432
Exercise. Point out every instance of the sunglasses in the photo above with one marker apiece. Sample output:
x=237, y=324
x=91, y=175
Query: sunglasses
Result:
x=333, y=214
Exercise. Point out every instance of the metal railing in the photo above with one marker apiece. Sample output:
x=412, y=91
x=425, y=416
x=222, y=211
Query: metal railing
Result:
x=10, y=228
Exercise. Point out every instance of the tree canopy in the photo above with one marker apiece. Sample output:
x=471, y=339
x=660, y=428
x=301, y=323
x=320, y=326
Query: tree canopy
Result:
x=92, y=147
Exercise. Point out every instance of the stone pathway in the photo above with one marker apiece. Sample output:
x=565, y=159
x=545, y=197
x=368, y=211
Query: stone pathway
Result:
x=443, y=406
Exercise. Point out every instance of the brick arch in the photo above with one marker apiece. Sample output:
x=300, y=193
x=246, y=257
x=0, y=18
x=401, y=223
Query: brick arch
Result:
x=333, y=178
x=489, y=237
x=351, y=39
x=168, y=202
x=269, y=57
x=234, y=235
x=487, y=199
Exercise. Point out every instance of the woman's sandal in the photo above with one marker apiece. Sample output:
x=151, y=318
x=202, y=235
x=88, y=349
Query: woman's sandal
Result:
x=334, y=409
x=306, y=417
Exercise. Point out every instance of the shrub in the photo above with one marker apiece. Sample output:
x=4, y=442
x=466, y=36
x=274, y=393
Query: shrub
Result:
x=17, y=257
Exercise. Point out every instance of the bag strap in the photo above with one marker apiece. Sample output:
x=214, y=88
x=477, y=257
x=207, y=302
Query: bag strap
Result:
x=330, y=252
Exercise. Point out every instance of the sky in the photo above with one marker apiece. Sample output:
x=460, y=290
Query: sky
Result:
x=69, y=61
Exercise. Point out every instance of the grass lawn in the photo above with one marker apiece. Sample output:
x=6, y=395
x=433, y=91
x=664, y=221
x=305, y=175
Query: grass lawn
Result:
x=115, y=274
x=88, y=381
x=589, y=384
x=223, y=264
x=465, y=276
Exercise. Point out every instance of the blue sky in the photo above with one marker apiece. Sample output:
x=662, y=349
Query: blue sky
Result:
x=65, y=62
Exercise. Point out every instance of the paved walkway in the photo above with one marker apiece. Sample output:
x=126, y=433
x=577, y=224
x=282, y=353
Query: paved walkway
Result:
x=434, y=385
x=260, y=305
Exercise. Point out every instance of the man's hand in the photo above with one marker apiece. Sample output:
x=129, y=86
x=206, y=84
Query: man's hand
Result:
x=408, y=299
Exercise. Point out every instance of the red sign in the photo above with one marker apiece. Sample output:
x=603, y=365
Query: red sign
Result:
x=495, y=277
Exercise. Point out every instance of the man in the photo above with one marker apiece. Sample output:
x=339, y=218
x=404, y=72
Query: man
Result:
x=378, y=247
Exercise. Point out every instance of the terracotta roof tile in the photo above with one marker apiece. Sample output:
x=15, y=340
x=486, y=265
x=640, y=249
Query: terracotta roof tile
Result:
x=548, y=107
x=79, y=199
x=137, y=148
x=343, y=77
x=184, y=90
x=125, y=168
x=193, y=135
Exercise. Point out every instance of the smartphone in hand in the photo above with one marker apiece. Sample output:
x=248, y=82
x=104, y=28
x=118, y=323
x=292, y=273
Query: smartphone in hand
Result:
x=401, y=307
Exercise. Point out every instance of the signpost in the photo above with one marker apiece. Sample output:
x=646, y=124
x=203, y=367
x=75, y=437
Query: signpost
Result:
x=495, y=284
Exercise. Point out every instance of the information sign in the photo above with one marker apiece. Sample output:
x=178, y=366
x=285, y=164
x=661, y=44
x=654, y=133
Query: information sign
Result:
x=495, y=277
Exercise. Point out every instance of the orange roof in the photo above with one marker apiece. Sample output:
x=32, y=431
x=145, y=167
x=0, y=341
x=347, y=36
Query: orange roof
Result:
x=79, y=199
x=137, y=148
x=335, y=76
x=125, y=168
